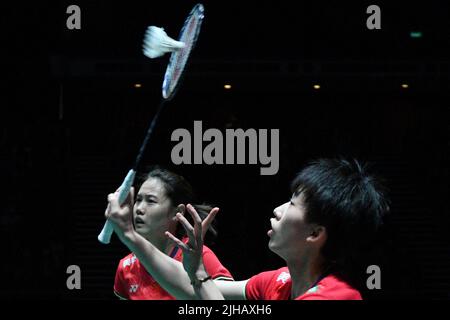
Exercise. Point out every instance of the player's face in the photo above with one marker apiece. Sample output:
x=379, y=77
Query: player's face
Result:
x=289, y=229
x=153, y=212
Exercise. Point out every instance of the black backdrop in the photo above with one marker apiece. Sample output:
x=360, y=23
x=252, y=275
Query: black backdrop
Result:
x=72, y=121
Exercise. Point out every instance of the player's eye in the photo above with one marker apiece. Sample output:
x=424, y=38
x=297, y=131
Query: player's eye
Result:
x=151, y=200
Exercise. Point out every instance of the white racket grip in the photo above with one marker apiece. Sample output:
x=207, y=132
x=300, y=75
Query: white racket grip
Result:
x=107, y=231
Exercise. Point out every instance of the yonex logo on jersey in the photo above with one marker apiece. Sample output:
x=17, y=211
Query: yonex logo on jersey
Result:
x=128, y=262
x=284, y=276
x=133, y=288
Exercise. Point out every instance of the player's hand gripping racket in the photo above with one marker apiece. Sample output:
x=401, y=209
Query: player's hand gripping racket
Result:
x=156, y=44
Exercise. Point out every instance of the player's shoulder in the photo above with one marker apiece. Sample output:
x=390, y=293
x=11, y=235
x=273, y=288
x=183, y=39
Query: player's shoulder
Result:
x=277, y=275
x=283, y=272
x=206, y=249
x=269, y=285
x=340, y=289
x=209, y=255
x=332, y=287
x=128, y=261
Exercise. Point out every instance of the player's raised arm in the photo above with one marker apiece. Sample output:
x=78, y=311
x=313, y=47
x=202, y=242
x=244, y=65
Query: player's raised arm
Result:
x=204, y=287
x=169, y=273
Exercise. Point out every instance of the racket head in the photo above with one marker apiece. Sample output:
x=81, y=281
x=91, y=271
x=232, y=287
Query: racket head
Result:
x=178, y=59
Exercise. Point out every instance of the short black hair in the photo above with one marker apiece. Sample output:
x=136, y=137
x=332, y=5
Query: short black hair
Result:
x=343, y=197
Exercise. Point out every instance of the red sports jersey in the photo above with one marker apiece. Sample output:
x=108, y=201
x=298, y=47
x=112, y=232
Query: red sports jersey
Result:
x=135, y=283
x=276, y=285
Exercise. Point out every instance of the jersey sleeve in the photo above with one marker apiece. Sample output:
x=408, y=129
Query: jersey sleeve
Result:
x=214, y=267
x=119, y=283
x=314, y=297
x=332, y=288
x=257, y=285
x=332, y=296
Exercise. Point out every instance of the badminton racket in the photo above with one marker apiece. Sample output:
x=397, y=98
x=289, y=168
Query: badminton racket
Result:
x=157, y=43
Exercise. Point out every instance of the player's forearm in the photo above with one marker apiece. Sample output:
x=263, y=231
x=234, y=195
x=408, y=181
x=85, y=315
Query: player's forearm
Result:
x=208, y=291
x=205, y=290
x=168, y=272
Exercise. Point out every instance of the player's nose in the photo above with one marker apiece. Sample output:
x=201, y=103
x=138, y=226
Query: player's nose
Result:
x=278, y=211
x=138, y=209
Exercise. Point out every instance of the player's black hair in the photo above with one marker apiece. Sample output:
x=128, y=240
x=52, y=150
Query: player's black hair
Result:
x=179, y=191
x=350, y=203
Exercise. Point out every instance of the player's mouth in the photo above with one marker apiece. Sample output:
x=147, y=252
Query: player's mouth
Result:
x=270, y=232
x=138, y=221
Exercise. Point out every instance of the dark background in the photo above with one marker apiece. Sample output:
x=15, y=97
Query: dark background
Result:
x=72, y=122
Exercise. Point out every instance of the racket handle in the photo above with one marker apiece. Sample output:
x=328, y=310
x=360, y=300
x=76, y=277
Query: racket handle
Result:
x=107, y=231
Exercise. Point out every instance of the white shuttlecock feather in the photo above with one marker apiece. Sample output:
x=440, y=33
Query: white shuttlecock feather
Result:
x=157, y=43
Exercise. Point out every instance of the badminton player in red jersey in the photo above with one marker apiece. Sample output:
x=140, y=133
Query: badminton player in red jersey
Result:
x=335, y=208
x=159, y=199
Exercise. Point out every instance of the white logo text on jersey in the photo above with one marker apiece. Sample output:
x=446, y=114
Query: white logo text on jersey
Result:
x=129, y=261
x=284, y=276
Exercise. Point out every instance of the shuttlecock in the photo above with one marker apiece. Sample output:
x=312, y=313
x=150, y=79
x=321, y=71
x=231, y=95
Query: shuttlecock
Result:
x=157, y=43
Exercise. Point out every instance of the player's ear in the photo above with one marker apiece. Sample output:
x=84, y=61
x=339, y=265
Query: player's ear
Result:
x=318, y=234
